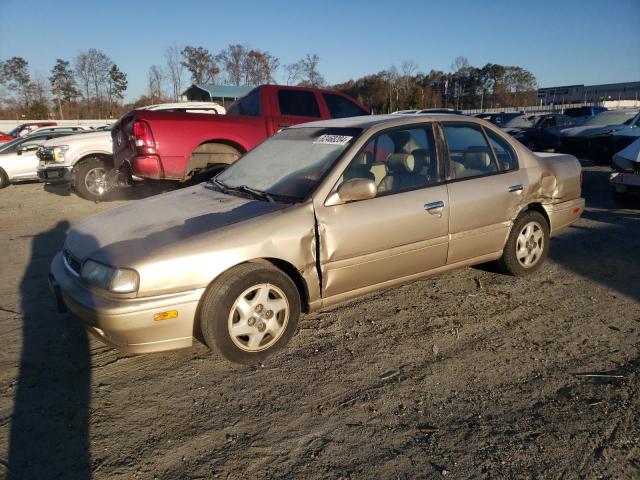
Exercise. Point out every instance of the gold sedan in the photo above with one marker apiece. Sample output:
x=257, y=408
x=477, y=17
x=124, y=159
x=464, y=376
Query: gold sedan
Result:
x=318, y=214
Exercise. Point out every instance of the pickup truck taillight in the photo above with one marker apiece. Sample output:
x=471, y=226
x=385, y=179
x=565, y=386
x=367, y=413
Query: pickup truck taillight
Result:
x=145, y=143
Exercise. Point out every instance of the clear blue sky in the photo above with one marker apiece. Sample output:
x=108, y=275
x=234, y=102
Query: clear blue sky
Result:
x=561, y=42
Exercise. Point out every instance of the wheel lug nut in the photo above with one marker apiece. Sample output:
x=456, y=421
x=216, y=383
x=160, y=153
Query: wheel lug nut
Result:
x=259, y=308
x=261, y=327
x=269, y=313
x=251, y=321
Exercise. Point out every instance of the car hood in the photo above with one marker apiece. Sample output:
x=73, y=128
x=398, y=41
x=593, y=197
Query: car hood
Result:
x=80, y=137
x=124, y=236
x=589, y=130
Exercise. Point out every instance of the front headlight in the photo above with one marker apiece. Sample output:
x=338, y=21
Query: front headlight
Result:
x=119, y=280
x=58, y=152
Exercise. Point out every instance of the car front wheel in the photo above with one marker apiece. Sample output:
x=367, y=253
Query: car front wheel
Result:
x=91, y=180
x=249, y=312
x=527, y=245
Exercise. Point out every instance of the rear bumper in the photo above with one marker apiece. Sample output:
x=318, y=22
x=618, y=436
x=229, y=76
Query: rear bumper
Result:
x=623, y=182
x=563, y=214
x=147, y=166
x=127, y=324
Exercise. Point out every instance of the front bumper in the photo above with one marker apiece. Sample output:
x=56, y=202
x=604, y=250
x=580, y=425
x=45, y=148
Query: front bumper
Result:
x=54, y=173
x=127, y=323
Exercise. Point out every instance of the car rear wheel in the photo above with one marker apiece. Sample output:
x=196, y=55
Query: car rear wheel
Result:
x=249, y=312
x=527, y=245
x=4, y=179
x=91, y=180
x=531, y=145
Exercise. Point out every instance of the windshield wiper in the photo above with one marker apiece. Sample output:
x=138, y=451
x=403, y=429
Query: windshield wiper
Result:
x=253, y=192
x=260, y=194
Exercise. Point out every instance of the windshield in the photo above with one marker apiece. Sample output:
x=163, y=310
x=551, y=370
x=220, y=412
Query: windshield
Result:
x=291, y=163
x=610, y=118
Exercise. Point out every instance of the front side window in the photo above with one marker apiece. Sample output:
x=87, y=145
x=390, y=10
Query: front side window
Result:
x=340, y=107
x=469, y=154
x=299, y=103
x=397, y=160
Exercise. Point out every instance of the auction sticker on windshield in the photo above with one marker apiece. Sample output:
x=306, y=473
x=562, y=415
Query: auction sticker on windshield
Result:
x=332, y=140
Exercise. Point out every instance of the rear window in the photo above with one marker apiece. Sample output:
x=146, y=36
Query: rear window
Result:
x=247, y=106
x=298, y=103
x=340, y=107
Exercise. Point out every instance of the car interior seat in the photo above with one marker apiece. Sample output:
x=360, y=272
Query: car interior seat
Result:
x=475, y=161
x=404, y=172
x=360, y=167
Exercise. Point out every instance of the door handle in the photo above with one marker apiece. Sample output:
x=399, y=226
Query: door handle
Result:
x=434, y=207
x=515, y=188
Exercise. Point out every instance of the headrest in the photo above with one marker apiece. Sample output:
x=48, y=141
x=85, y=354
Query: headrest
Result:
x=477, y=158
x=425, y=158
x=404, y=163
x=364, y=159
x=403, y=141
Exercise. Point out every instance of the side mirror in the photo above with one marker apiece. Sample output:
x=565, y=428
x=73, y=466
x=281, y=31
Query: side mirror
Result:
x=357, y=189
x=27, y=148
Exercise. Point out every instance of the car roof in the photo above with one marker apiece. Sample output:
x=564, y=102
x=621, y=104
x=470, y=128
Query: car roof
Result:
x=388, y=120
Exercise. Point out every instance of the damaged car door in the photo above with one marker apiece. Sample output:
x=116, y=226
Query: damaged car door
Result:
x=486, y=190
x=402, y=230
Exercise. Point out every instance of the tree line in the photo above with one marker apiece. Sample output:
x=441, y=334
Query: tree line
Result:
x=91, y=85
x=492, y=86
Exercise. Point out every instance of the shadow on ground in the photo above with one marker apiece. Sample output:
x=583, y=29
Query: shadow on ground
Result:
x=49, y=435
x=606, y=251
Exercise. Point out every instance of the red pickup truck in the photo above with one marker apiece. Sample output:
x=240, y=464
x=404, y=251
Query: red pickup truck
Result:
x=170, y=145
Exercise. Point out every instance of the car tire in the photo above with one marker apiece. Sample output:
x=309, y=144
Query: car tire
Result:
x=4, y=179
x=531, y=145
x=249, y=312
x=91, y=180
x=527, y=245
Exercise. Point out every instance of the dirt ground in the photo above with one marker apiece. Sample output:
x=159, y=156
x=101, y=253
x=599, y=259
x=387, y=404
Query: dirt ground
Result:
x=465, y=375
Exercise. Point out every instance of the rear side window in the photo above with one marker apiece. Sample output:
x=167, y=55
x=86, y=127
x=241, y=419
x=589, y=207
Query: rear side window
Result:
x=247, y=106
x=298, y=103
x=469, y=153
x=340, y=107
x=506, y=156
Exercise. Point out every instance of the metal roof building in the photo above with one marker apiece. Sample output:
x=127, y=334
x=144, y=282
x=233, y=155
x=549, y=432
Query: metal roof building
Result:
x=209, y=92
x=590, y=93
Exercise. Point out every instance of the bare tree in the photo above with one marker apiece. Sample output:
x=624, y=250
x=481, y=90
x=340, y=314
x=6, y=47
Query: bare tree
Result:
x=305, y=72
x=92, y=68
x=155, y=78
x=175, y=69
x=259, y=67
x=295, y=72
x=201, y=63
x=233, y=60
x=83, y=72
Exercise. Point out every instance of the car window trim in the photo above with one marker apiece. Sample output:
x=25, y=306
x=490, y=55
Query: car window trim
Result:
x=449, y=178
x=375, y=136
x=495, y=156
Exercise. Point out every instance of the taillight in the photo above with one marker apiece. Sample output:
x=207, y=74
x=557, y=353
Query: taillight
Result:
x=143, y=136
